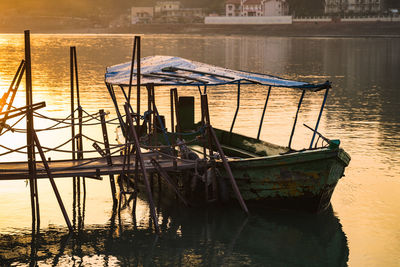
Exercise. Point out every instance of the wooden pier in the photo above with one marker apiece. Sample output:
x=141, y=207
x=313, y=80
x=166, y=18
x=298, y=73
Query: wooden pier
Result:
x=90, y=167
x=134, y=162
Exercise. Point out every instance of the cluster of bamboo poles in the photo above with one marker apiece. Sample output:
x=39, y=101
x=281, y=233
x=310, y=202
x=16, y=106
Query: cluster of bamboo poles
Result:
x=131, y=131
x=131, y=128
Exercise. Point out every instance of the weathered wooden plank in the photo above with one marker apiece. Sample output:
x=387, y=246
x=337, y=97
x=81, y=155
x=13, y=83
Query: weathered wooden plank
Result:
x=99, y=166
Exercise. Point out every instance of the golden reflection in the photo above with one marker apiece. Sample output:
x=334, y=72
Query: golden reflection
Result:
x=365, y=199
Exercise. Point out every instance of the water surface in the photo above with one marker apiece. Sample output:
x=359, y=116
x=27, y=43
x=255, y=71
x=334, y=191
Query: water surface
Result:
x=363, y=111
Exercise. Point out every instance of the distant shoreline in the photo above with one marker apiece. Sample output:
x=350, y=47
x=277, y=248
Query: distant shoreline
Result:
x=333, y=30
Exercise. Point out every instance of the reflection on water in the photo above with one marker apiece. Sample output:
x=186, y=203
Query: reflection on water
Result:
x=189, y=237
x=362, y=111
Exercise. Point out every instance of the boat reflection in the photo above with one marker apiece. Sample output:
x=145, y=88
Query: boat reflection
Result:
x=218, y=236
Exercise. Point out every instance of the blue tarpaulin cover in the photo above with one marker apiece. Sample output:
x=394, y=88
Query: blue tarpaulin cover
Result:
x=169, y=70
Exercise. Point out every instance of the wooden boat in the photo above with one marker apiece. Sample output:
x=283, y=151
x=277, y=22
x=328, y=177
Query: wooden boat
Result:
x=266, y=174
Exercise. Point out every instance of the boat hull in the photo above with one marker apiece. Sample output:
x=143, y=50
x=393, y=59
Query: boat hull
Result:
x=301, y=180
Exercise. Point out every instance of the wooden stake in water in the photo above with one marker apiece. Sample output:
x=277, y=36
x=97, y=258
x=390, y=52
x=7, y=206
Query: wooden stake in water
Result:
x=142, y=166
x=29, y=135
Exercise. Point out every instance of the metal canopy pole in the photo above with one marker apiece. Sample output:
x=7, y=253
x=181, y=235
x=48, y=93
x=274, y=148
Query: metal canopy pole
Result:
x=237, y=108
x=262, y=116
x=111, y=91
x=295, y=119
x=319, y=117
x=131, y=74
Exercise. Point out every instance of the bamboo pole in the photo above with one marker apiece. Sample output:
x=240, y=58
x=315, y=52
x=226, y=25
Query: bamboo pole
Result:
x=167, y=178
x=79, y=139
x=29, y=135
x=143, y=166
x=53, y=184
x=138, y=76
x=229, y=171
x=213, y=137
x=108, y=154
x=72, y=85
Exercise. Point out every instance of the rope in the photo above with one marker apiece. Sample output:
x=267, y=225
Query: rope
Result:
x=86, y=163
x=55, y=149
x=10, y=150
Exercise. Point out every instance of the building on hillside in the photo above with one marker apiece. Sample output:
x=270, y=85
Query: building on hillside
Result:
x=275, y=8
x=142, y=15
x=252, y=8
x=165, y=6
x=256, y=8
x=233, y=8
x=361, y=7
x=174, y=12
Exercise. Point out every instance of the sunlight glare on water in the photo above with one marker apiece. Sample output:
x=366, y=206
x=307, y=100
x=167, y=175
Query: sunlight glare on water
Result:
x=362, y=111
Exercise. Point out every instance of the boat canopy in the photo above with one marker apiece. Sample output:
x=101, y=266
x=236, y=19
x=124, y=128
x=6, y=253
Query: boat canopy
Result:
x=176, y=71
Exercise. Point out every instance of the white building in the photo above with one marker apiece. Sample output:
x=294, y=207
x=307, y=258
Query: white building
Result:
x=256, y=8
x=252, y=8
x=353, y=6
x=174, y=12
x=142, y=15
x=275, y=8
x=164, y=6
x=233, y=8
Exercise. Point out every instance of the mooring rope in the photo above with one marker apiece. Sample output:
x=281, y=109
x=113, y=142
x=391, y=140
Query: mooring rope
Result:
x=96, y=118
x=11, y=128
x=10, y=150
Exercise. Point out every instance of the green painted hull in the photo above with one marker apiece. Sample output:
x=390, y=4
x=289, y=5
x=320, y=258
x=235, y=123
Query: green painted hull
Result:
x=301, y=180
x=270, y=176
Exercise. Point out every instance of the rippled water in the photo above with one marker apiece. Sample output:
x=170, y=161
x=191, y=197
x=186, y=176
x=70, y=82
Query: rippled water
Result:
x=363, y=111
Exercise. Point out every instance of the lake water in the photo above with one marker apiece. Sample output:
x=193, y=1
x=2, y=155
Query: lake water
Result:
x=363, y=111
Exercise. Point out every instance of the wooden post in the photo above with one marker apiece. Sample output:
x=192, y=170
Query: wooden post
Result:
x=108, y=154
x=72, y=84
x=228, y=170
x=213, y=136
x=153, y=101
x=138, y=76
x=53, y=184
x=149, y=109
x=80, y=121
x=206, y=114
x=171, y=96
x=166, y=177
x=71, y=51
x=174, y=103
x=29, y=135
x=142, y=165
